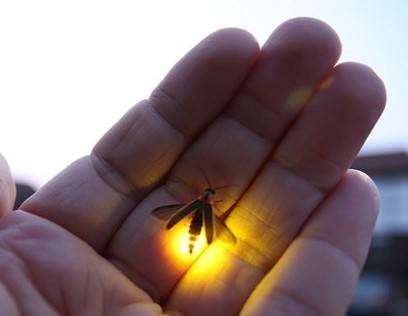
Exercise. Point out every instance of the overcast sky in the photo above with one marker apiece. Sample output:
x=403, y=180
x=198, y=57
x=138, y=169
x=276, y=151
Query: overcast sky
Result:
x=69, y=70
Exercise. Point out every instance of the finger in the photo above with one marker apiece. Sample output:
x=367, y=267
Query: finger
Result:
x=94, y=195
x=296, y=57
x=228, y=152
x=318, y=273
x=311, y=158
x=7, y=188
x=327, y=135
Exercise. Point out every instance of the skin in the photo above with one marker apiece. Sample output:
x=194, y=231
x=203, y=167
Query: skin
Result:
x=281, y=124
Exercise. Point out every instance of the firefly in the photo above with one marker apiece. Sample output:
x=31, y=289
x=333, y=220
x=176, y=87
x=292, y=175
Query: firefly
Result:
x=200, y=210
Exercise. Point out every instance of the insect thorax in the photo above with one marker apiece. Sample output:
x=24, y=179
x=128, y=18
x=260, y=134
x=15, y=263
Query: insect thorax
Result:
x=207, y=195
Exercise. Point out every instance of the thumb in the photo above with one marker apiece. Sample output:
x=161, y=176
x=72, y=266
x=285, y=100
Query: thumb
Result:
x=7, y=188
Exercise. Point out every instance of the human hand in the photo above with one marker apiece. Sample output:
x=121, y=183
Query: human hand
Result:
x=281, y=124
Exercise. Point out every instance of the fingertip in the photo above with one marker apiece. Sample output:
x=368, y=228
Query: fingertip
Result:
x=365, y=186
x=362, y=86
x=228, y=46
x=202, y=83
x=312, y=36
x=347, y=217
x=234, y=34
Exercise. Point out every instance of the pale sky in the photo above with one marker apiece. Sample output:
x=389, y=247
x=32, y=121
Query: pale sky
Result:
x=70, y=69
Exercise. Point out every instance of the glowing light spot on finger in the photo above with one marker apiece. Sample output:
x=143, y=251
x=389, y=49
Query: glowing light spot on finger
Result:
x=327, y=82
x=211, y=258
x=211, y=262
x=298, y=97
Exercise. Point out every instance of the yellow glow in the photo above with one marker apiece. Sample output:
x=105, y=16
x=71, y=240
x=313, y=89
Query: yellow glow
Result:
x=298, y=97
x=326, y=83
x=179, y=242
x=204, y=275
x=211, y=259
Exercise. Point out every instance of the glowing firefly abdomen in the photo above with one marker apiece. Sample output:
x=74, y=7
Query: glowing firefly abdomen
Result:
x=195, y=229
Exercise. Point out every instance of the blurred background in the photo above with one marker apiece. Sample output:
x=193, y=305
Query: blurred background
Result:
x=69, y=70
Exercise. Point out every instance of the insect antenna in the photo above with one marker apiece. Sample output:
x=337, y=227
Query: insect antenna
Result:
x=209, y=183
x=224, y=187
x=206, y=178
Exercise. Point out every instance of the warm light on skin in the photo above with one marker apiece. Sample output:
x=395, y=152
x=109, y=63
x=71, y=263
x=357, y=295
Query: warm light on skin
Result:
x=326, y=83
x=210, y=259
x=179, y=242
x=201, y=282
x=176, y=246
x=211, y=262
x=298, y=97
x=211, y=256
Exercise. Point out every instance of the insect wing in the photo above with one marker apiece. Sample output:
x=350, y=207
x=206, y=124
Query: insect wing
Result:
x=166, y=211
x=183, y=212
x=209, y=222
x=223, y=232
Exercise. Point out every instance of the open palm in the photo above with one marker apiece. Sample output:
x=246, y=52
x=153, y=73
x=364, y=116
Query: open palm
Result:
x=280, y=125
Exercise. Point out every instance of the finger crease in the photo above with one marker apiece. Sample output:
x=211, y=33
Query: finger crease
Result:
x=160, y=96
x=280, y=294
x=251, y=98
x=330, y=245
x=259, y=136
x=286, y=167
x=114, y=179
